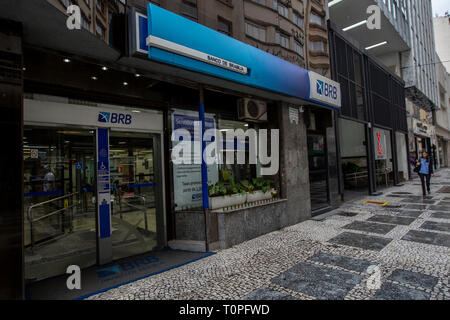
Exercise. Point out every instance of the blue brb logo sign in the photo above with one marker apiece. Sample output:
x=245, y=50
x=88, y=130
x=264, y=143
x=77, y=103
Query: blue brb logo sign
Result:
x=114, y=118
x=327, y=90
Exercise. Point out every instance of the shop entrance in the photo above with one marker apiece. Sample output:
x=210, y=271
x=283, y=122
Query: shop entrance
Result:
x=64, y=219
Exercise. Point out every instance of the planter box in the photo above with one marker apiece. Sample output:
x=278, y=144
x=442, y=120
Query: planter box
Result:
x=227, y=201
x=259, y=196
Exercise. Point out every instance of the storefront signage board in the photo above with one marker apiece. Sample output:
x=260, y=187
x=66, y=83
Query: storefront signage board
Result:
x=172, y=39
x=380, y=144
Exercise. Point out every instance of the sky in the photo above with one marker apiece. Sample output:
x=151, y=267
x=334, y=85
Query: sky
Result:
x=440, y=6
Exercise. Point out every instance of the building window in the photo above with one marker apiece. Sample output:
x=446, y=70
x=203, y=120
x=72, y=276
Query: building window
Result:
x=283, y=11
x=99, y=4
x=66, y=3
x=316, y=19
x=298, y=20
x=190, y=10
x=255, y=31
x=224, y=26
x=100, y=30
x=87, y=2
x=261, y=2
x=85, y=23
x=317, y=46
x=298, y=48
x=282, y=40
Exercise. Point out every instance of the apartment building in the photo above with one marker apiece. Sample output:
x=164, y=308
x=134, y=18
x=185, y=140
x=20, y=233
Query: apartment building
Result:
x=442, y=39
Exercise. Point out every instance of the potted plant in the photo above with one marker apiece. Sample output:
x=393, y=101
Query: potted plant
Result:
x=226, y=193
x=260, y=189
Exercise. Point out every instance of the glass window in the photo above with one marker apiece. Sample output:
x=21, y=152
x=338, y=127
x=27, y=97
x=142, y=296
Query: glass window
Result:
x=298, y=20
x=263, y=2
x=318, y=46
x=315, y=18
x=298, y=47
x=255, y=31
x=100, y=30
x=224, y=26
x=282, y=40
x=283, y=11
x=190, y=10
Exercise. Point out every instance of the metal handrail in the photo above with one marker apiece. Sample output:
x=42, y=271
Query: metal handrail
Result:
x=144, y=209
x=30, y=216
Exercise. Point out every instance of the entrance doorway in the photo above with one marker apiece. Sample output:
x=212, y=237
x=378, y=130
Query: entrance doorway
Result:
x=63, y=219
x=60, y=214
x=134, y=193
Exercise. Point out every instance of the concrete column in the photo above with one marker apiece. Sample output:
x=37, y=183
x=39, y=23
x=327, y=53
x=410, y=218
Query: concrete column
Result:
x=11, y=161
x=294, y=168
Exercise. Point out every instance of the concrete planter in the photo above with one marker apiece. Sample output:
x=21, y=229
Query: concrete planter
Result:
x=227, y=201
x=259, y=196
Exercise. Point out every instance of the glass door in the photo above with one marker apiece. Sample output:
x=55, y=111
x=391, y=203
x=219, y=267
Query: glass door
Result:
x=318, y=171
x=135, y=193
x=59, y=179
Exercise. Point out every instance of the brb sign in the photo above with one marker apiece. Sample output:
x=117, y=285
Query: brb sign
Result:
x=327, y=90
x=324, y=90
x=115, y=118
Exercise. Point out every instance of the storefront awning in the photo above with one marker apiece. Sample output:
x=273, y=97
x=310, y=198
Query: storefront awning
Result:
x=172, y=39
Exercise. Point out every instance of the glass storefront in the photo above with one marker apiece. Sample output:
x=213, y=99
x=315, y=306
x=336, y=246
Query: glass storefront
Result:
x=60, y=183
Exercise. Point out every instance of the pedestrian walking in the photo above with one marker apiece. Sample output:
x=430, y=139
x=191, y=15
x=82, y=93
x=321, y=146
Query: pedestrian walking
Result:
x=424, y=167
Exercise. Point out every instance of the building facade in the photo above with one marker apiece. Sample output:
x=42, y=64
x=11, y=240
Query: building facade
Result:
x=441, y=118
x=442, y=37
x=93, y=115
x=404, y=44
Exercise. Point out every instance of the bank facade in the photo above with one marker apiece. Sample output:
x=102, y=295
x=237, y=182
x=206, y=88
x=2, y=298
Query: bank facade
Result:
x=94, y=122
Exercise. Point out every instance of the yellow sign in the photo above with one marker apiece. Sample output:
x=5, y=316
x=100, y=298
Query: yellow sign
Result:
x=381, y=203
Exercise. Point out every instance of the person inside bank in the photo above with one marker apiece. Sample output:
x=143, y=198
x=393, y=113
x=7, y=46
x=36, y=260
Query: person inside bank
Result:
x=424, y=168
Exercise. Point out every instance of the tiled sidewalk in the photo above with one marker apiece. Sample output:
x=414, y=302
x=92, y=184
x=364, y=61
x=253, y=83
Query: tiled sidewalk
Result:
x=338, y=257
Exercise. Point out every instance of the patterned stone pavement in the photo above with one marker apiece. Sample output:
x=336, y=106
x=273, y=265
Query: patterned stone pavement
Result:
x=337, y=257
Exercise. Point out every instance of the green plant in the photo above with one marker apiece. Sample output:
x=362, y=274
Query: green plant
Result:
x=219, y=189
x=248, y=187
x=262, y=184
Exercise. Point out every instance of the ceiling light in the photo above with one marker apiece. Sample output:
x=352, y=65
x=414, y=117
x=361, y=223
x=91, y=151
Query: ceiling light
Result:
x=377, y=45
x=136, y=111
x=24, y=69
x=137, y=75
x=66, y=60
x=335, y=2
x=94, y=78
x=125, y=83
x=104, y=68
x=353, y=26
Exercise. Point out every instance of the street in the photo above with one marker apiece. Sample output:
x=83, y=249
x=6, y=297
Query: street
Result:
x=359, y=251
